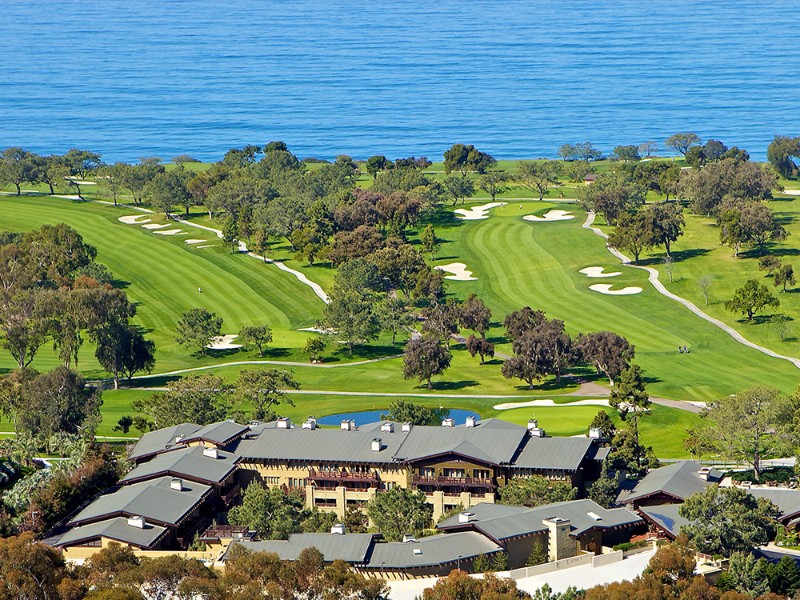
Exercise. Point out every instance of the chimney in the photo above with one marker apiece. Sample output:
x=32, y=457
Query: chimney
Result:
x=284, y=423
x=376, y=445
x=137, y=522
x=348, y=425
x=704, y=472
x=595, y=433
x=448, y=422
x=211, y=452
x=534, y=430
x=338, y=528
x=310, y=423
x=408, y=539
x=559, y=543
x=406, y=427
x=176, y=484
x=470, y=422
x=387, y=427
x=465, y=517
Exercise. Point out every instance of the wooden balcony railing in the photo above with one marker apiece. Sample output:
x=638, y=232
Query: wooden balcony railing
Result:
x=343, y=476
x=442, y=481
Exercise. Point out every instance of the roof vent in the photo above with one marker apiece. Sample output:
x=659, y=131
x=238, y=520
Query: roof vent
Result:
x=470, y=421
x=533, y=424
x=448, y=422
x=704, y=472
x=284, y=423
x=417, y=551
x=211, y=452
x=254, y=423
x=137, y=522
x=409, y=539
x=594, y=516
x=348, y=425
x=337, y=528
x=406, y=427
x=387, y=427
x=376, y=445
x=465, y=517
x=310, y=423
x=176, y=484
x=534, y=430
x=595, y=433
x=178, y=439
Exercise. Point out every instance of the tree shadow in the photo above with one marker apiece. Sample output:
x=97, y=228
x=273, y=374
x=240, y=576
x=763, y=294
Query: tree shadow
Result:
x=451, y=385
x=222, y=352
x=150, y=381
x=274, y=353
x=677, y=256
x=783, y=252
x=366, y=352
x=443, y=219
x=121, y=284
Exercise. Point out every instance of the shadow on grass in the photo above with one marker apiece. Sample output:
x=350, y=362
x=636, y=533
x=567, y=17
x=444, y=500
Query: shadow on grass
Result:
x=677, y=256
x=451, y=385
x=444, y=220
x=366, y=352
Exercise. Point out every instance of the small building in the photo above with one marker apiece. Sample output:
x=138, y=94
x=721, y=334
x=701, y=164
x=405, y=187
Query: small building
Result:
x=589, y=178
x=134, y=532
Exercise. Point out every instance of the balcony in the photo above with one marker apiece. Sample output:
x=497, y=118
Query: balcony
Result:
x=343, y=478
x=231, y=494
x=441, y=481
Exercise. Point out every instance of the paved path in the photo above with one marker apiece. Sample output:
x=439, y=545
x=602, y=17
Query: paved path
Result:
x=653, y=278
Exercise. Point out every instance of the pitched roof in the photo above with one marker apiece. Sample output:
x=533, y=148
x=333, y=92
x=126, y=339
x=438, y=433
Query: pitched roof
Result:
x=115, y=529
x=501, y=522
x=162, y=440
x=553, y=453
x=666, y=517
x=155, y=500
x=189, y=463
x=221, y=433
x=431, y=551
x=352, y=547
x=787, y=501
x=680, y=480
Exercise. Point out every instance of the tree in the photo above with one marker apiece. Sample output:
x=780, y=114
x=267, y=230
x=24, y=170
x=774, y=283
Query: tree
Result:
x=466, y=159
x=273, y=513
x=752, y=426
x=114, y=177
x=518, y=322
x=475, y=315
x=608, y=352
x=29, y=569
x=377, y=163
x=429, y=241
x=200, y=399
x=704, y=284
x=166, y=190
x=400, y=511
x=587, y=152
x=493, y=183
x=314, y=347
x=544, y=350
x=647, y=148
x=612, y=194
x=629, y=396
x=351, y=313
x=631, y=234
x=349, y=245
x=730, y=178
x=197, y=328
x=82, y=162
x=405, y=411
x=425, y=357
x=768, y=263
x=395, y=316
x=664, y=223
x=567, y=152
x=604, y=490
x=459, y=585
x=537, y=176
x=784, y=576
x=536, y=490
x=442, y=319
x=17, y=166
x=604, y=423
x=257, y=335
x=123, y=350
x=784, y=276
x=746, y=575
x=669, y=264
x=627, y=153
x=760, y=226
x=727, y=520
x=230, y=235
x=138, y=177
x=458, y=188
x=480, y=346
x=264, y=388
x=681, y=142
x=780, y=153
x=751, y=298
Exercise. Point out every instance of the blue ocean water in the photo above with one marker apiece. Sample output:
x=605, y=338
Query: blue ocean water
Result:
x=516, y=78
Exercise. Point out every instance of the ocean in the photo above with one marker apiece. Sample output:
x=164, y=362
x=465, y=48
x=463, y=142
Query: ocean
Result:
x=517, y=79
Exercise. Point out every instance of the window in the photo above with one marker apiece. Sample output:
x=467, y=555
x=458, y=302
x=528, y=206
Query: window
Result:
x=427, y=472
x=482, y=474
x=455, y=473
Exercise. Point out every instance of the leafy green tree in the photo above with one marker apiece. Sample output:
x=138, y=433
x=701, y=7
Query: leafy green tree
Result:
x=197, y=328
x=466, y=159
x=567, y=152
x=405, y=411
x=681, y=142
x=273, y=513
x=611, y=194
x=727, y=520
x=430, y=243
x=400, y=511
x=630, y=455
x=124, y=424
x=29, y=569
x=314, y=347
x=377, y=163
x=494, y=183
x=751, y=298
x=604, y=423
x=628, y=153
x=780, y=153
x=784, y=576
x=442, y=319
x=395, y=316
x=631, y=234
x=784, y=276
x=82, y=162
x=647, y=148
x=479, y=346
x=728, y=179
x=475, y=315
x=587, y=152
x=138, y=177
x=424, y=357
x=166, y=190
x=263, y=389
x=664, y=223
x=537, y=176
x=17, y=166
x=350, y=245
x=114, y=178
x=536, y=490
x=458, y=188
x=122, y=350
x=351, y=313
x=768, y=263
x=257, y=335
x=629, y=396
x=201, y=399
x=604, y=490
x=53, y=172
x=519, y=321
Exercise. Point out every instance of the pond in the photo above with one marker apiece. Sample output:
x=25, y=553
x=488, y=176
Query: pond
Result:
x=371, y=416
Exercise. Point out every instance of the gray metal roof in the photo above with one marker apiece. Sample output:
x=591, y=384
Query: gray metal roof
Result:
x=115, y=529
x=501, y=522
x=431, y=551
x=320, y=445
x=352, y=547
x=189, y=463
x=680, y=480
x=161, y=440
x=220, y=433
x=666, y=516
x=553, y=453
x=787, y=501
x=155, y=500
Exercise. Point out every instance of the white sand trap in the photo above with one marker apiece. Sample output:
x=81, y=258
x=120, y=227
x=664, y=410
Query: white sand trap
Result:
x=154, y=225
x=551, y=215
x=458, y=270
x=224, y=343
x=790, y=192
x=170, y=232
x=29, y=191
x=209, y=246
x=68, y=196
x=476, y=213
x=597, y=272
x=317, y=330
x=193, y=241
x=604, y=288
x=133, y=219
x=548, y=402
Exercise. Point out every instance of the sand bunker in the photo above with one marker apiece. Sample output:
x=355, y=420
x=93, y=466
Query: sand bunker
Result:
x=792, y=192
x=209, y=246
x=548, y=402
x=604, y=288
x=133, y=219
x=193, y=241
x=476, y=213
x=170, y=232
x=551, y=215
x=154, y=225
x=597, y=272
x=66, y=196
x=458, y=270
x=224, y=343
